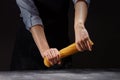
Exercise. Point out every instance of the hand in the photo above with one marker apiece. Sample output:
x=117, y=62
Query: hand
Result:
x=82, y=39
x=52, y=55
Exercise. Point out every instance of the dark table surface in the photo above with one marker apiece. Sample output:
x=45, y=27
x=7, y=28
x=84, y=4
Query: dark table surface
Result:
x=72, y=74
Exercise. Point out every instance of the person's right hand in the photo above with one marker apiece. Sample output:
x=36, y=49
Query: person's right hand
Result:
x=52, y=55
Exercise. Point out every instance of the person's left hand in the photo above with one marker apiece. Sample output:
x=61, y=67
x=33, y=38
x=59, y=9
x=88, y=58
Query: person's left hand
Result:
x=82, y=38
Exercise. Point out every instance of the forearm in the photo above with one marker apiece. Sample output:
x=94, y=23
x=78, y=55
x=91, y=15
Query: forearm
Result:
x=39, y=38
x=82, y=38
x=81, y=10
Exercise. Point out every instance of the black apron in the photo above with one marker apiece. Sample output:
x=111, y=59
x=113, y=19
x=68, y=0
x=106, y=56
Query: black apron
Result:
x=54, y=15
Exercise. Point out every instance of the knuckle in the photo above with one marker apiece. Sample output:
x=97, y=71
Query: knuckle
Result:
x=82, y=40
x=78, y=42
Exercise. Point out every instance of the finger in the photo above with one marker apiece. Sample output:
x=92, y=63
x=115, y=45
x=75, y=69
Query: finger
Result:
x=83, y=45
x=57, y=55
x=79, y=47
x=86, y=44
x=89, y=45
x=53, y=59
x=49, y=56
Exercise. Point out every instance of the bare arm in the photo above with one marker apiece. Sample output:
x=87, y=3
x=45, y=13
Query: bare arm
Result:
x=52, y=54
x=33, y=23
x=81, y=35
x=81, y=10
x=39, y=38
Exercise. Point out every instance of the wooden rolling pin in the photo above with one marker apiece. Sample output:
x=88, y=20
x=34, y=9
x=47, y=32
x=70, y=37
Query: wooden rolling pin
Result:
x=69, y=50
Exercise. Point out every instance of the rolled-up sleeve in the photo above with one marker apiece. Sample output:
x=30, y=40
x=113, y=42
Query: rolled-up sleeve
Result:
x=87, y=1
x=29, y=13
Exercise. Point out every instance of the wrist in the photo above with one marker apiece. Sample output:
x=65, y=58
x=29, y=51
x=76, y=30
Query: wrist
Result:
x=42, y=52
x=79, y=25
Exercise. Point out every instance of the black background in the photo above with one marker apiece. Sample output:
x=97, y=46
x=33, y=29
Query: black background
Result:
x=102, y=23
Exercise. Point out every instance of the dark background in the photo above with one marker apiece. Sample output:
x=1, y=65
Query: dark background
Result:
x=102, y=23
